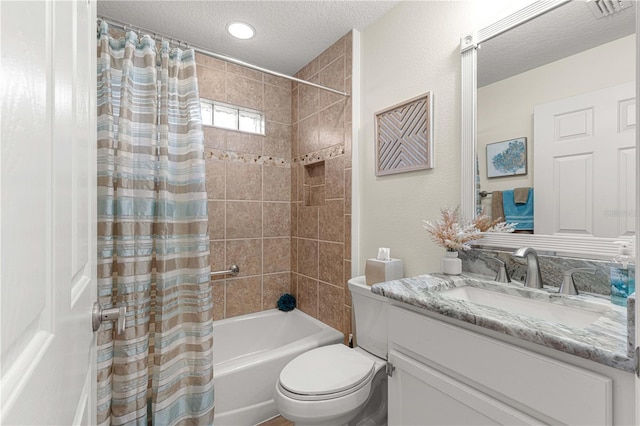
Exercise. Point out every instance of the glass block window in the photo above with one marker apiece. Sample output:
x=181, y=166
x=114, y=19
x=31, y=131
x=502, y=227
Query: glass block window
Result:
x=231, y=117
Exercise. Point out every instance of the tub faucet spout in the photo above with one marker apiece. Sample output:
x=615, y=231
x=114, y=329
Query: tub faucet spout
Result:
x=534, y=276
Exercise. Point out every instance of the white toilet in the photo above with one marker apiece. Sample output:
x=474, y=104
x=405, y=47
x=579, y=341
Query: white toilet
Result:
x=337, y=385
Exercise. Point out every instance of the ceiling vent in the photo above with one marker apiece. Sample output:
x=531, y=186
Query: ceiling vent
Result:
x=602, y=8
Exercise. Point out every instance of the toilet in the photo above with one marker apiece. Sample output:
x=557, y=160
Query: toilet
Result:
x=337, y=385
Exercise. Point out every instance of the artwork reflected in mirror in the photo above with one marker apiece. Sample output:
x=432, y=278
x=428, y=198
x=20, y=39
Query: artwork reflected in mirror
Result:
x=564, y=85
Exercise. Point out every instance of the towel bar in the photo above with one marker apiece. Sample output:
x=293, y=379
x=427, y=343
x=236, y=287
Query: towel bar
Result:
x=233, y=270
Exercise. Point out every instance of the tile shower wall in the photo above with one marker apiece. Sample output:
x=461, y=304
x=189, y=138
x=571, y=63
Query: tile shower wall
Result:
x=321, y=188
x=249, y=189
x=280, y=204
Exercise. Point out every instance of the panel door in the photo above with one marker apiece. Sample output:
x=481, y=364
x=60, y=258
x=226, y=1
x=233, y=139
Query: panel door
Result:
x=47, y=216
x=421, y=395
x=584, y=156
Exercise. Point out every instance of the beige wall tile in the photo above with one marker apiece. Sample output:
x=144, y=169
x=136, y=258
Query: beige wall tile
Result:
x=211, y=83
x=308, y=100
x=294, y=143
x=308, y=258
x=347, y=236
x=277, y=104
x=244, y=142
x=347, y=191
x=331, y=263
x=245, y=72
x=294, y=219
x=332, y=76
x=283, y=83
x=334, y=177
x=331, y=125
x=244, y=219
x=215, y=229
x=217, y=289
x=332, y=221
x=308, y=71
x=348, y=110
x=215, y=179
x=308, y=135
x=308, y=221
x=244, y=92
x=330, y=306
x=214, y=138
x=307, y=299
x=317, y=195
x=276, y=255
x=274, y=286
x=243, y=296
x=277, y=143
x=294, y=105
x=244, y=181
x=294, y=254
x=277, y=183
x=348, y=54
x=217, y=258
x=331, y=53
x=210, y=62
x=277, y=220
x=293, y=289
x=347, y=275
x=247, y=254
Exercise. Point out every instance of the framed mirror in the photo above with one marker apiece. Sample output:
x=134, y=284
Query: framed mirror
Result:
x=548, y=103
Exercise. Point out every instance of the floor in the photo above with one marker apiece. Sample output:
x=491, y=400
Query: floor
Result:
x=277, y=421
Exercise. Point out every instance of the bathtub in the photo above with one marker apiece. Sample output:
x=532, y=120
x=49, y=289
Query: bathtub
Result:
x=249, y=352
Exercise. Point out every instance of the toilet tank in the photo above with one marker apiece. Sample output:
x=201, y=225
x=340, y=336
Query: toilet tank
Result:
x=371, y=312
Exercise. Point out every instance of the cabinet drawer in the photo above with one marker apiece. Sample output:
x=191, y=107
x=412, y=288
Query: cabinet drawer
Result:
x=560, y=392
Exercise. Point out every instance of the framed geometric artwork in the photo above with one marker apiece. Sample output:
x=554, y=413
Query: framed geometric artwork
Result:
x=404, y=136
x=507, y=158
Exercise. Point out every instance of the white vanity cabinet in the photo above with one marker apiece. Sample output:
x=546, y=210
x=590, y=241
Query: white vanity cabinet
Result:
x=445, y=374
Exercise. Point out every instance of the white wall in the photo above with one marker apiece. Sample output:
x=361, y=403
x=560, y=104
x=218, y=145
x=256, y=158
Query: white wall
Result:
x=505, y=108
x=413, y=49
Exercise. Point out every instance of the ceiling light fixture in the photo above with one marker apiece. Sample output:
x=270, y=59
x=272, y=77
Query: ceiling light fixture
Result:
x=241, y=30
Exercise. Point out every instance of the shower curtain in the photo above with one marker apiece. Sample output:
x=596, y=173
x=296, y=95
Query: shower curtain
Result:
x=153, y=249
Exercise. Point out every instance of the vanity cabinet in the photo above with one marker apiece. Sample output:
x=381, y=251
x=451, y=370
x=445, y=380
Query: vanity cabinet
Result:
x=445, y=374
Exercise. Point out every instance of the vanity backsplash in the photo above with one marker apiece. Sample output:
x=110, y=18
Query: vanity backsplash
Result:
x=552, y=268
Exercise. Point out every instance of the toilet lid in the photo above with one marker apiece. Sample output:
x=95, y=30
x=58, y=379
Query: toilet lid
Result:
x=326, y=370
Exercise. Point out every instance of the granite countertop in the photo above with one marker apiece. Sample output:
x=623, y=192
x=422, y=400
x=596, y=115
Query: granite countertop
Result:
x=605, y=341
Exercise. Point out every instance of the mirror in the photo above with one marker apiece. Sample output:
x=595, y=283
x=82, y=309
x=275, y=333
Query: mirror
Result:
x=556, y=113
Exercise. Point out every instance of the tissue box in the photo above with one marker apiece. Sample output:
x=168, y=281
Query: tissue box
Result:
x=378, y=271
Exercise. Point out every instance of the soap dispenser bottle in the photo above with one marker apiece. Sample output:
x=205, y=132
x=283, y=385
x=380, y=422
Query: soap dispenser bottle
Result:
x=623, y=273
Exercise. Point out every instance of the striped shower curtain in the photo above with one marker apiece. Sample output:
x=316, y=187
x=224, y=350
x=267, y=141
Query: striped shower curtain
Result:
x=153, y=250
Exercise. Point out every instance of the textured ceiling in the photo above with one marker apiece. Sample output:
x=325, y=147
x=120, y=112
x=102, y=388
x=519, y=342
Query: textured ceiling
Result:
x=564, y=31
x=289, y=33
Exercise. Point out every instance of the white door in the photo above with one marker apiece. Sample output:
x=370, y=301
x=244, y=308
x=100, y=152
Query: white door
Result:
x=584, y=155
x=47, y=212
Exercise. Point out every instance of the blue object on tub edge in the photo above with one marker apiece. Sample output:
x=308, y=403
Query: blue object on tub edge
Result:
x=286, y=302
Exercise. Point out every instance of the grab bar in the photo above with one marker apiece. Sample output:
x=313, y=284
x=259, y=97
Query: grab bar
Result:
x=233, y=270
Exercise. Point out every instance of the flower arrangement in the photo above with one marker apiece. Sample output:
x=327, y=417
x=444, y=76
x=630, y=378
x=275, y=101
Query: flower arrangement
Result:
x=449, y=232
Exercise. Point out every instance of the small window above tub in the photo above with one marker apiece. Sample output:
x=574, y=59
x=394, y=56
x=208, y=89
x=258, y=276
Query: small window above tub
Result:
x=231, y=117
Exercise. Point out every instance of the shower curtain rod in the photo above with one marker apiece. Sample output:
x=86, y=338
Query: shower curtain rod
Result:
x=123, y=26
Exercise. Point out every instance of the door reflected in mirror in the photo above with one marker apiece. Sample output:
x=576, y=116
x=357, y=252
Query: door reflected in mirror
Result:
x=565, y=83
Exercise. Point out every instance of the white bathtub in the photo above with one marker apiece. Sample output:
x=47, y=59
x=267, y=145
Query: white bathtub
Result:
x=249, y=352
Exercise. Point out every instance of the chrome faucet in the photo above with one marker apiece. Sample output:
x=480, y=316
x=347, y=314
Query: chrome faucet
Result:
x=534, y=276
x=568, y=283
x=502, y=276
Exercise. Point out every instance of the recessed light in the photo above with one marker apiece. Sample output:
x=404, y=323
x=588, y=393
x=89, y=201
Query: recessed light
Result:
x=241, y=30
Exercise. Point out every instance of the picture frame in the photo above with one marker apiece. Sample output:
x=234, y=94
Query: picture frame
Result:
x=507, y=158
x=404, y=136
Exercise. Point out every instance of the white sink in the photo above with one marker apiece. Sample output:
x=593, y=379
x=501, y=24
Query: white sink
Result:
x=544, y=310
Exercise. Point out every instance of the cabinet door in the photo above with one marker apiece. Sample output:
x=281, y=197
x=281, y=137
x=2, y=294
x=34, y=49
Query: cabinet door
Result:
x=421, y=395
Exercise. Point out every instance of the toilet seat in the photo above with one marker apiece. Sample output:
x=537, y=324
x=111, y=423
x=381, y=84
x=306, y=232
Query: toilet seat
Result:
x=326, y=373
